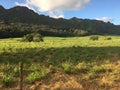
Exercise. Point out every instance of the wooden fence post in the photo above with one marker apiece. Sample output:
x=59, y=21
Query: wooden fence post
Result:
x=21, y=76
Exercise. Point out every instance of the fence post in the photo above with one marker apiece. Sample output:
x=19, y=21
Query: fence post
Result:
x=21, y=76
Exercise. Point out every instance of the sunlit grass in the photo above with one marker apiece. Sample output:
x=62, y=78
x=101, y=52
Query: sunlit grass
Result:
x=58, y=42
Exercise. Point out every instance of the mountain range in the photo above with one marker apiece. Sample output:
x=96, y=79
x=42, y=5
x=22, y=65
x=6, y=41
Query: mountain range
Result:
x=10, y=18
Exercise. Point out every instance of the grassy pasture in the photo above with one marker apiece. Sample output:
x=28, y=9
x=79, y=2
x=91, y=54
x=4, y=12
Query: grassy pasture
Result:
x=90, y=64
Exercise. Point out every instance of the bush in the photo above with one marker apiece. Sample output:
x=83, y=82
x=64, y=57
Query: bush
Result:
x=40, y=73
x=108, y=38
x=94, y=38
x=33, y=37
x=32, y=77
x=67, y=67
x=37, y=38
x=6, y=81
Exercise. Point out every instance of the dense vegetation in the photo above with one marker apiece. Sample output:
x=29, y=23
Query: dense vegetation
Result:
x=33, y=37
x=62, y=63
x=19, y=21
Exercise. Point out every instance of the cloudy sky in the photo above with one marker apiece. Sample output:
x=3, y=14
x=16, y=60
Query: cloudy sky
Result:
x=105, y=10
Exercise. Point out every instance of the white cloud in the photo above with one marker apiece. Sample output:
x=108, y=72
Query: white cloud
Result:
x=26, y=5
x=105, y=19
x=56, y=14
x=47, y=5
x=55, y=8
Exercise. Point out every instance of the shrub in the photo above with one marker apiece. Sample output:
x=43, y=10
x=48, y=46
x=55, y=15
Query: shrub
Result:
x=16, y=71
x=32, y=77
x=37, y=38
x=36, y=75
x=7, y=81
x=96, y=71
x=108, y=38
x=94, y=38
x=33, y=37
x=28, y=38
x=67, y=67
x=82, y=67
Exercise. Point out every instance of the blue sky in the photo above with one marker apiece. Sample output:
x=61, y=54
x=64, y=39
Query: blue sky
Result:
x=106, y=10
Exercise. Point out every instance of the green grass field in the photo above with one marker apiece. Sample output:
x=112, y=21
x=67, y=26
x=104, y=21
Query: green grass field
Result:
x=68, y=62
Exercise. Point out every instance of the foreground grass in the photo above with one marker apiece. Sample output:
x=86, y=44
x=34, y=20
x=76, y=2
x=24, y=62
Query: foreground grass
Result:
x=75, y=61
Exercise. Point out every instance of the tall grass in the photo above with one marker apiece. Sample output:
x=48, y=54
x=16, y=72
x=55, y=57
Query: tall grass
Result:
x=88, y=59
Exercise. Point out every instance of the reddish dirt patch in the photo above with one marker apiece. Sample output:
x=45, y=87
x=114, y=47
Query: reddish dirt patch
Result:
x=58, y=81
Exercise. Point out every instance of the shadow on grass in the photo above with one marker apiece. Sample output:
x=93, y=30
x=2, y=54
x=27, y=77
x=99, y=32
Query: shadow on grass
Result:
x=58, y=55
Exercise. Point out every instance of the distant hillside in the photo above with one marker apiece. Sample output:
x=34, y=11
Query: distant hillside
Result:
x=22, y=20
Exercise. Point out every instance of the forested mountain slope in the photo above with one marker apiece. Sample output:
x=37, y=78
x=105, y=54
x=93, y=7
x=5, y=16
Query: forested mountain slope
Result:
x=18, y=21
